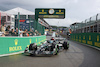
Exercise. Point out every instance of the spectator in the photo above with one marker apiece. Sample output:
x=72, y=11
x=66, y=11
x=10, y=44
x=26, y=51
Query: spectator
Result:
x=31, y=32
x=8, y=28
x=3, y=28
x=3, y=35
x=8, y=31
x=21, y=33
x=36, y=32
x=39, y=34
x=16, y=32
x=25, y=32
x=13, y=32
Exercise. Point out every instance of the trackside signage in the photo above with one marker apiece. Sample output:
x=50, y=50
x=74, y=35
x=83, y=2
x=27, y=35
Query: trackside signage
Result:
x=58, y=13
x=16, y=44
x=92, y=39
x=15, y=47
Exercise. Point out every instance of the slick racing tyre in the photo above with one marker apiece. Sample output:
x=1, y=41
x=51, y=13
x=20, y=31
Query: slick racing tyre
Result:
x=65, y=45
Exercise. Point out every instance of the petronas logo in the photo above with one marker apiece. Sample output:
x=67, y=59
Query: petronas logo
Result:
x=16, y=41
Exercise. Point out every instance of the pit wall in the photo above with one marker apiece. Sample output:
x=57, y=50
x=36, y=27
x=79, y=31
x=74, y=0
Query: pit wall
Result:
x=17, y=44
x=92, y=39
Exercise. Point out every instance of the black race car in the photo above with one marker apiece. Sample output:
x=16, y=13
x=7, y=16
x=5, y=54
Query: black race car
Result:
x=49, y=48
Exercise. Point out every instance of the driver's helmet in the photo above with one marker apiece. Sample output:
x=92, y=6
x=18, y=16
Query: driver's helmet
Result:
x=54, y=41
x=34, y=45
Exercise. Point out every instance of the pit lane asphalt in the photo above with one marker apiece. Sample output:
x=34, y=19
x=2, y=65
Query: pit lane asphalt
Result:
x=73, y=57
x=91, y=55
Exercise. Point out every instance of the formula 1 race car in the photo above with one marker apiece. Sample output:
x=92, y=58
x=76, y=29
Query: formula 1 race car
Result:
x=44, y=49
x=48, y=48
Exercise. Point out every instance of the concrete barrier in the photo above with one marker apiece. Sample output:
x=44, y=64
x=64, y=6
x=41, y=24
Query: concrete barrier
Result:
x=16, y=44
x=92, y=39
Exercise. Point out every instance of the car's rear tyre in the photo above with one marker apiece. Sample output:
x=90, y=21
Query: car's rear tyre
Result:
x=65, y=45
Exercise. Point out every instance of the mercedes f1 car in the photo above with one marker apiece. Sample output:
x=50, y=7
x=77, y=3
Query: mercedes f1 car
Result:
x=49, y=48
